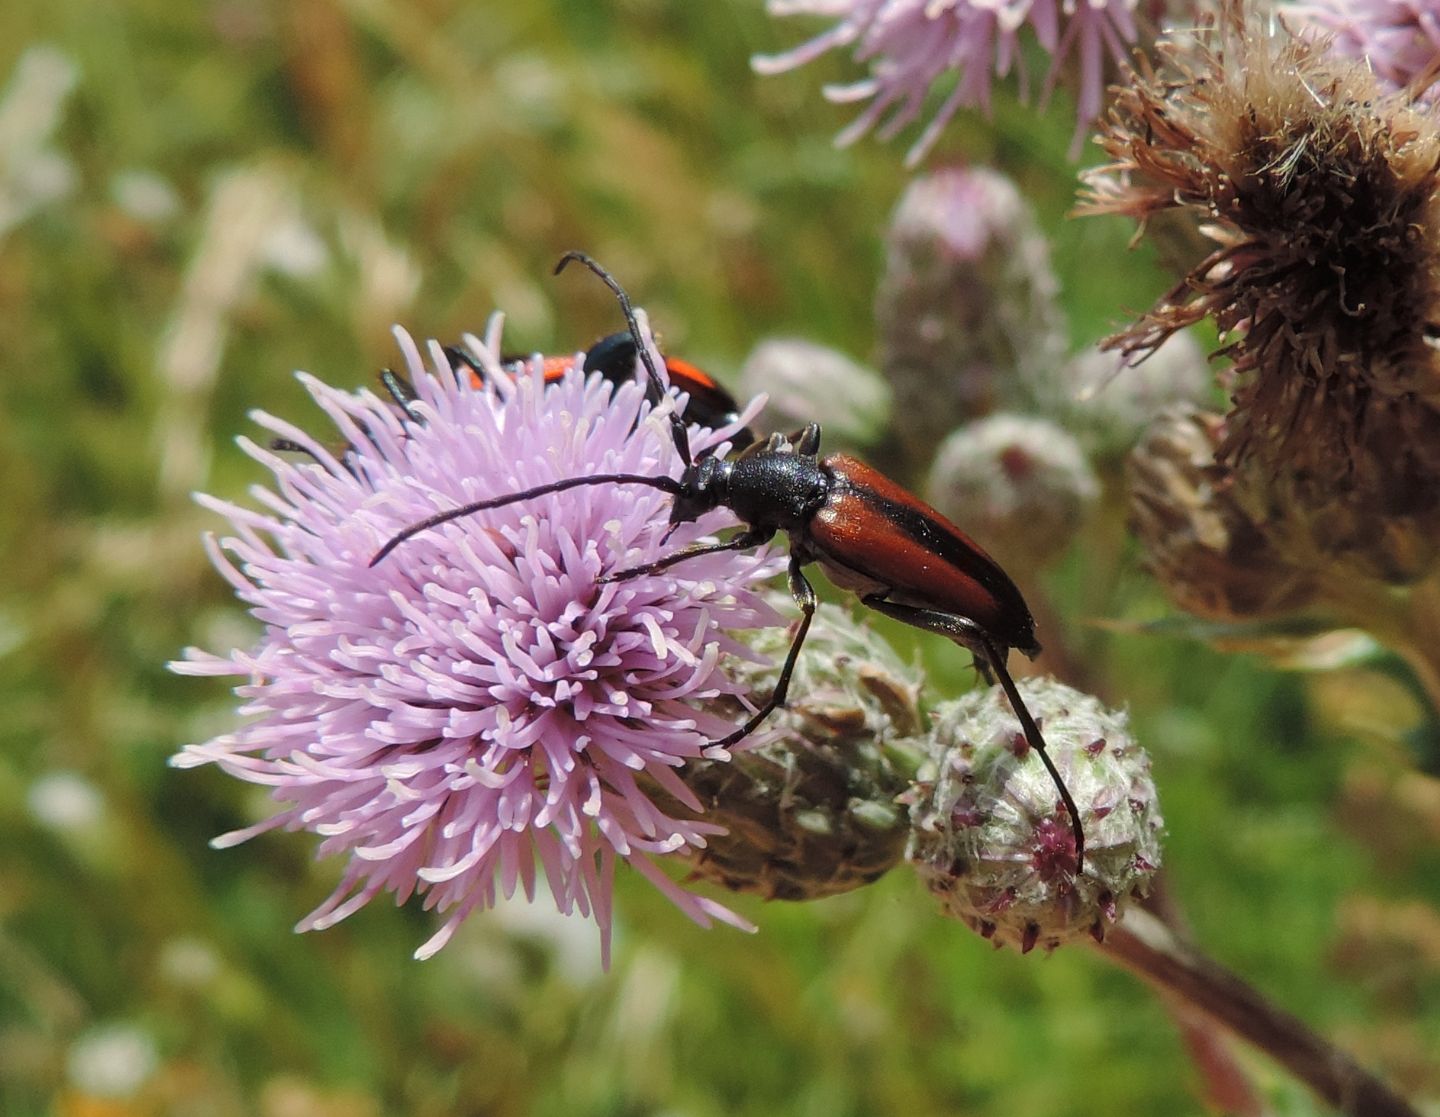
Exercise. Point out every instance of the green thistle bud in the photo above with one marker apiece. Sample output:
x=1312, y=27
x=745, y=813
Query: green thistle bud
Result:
x=1020, y=484
x=1106, y=406
x=812, y=383
x=811, y=811
x=967, y=304
x=989, y=838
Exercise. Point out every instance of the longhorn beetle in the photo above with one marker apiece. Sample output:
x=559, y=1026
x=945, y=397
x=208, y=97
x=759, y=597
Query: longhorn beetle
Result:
x=613, y=357
x=869, y=535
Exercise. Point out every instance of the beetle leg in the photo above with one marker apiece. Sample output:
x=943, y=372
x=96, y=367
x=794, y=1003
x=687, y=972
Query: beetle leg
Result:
x=769, y=445
x=807, y=441
x=971, y=635
x=804, y=594
x=462, y=361
x=402, y=392
x=290, y=446
x=751, y=537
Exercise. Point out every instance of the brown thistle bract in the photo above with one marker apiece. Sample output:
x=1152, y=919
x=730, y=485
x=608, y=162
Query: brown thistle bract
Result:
x=1320, y=193
x=1213, y=560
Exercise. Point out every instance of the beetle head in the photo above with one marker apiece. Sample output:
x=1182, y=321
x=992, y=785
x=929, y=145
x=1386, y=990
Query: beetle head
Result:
x=704, y=486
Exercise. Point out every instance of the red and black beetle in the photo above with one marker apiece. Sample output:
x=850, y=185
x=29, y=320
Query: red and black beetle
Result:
x=613, y=357
x=869, y=535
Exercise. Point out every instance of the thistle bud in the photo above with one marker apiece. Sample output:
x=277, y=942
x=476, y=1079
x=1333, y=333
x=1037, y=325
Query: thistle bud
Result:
x=990, y=839
x=967, y=304
x=807, y=383
x=1106, y=404
x=1021, y=485
x=811, y=810
x=1212, y=559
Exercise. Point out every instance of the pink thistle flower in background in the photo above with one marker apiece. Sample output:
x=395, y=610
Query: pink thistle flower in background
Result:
x=476, y=705
x=1398, y=39
x=912, y=44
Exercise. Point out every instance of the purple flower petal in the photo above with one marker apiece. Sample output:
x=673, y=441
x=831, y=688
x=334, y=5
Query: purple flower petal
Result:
x=912, y=44
x=1398, y=39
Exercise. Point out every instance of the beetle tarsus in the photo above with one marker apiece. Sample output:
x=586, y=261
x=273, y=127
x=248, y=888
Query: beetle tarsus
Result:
x=804, y=594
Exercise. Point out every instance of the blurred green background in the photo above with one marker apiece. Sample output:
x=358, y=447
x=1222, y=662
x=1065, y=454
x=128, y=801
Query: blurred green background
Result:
x=203, y=197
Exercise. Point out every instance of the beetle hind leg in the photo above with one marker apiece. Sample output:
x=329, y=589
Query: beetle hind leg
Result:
x=990, y=660
x=403, y=393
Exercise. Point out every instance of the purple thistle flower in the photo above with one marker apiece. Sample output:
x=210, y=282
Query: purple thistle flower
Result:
x=476, y=704
x=911, y=44
x=1398, y=39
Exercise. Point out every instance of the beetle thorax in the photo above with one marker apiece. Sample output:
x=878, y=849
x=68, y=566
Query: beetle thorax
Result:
x=777, y=489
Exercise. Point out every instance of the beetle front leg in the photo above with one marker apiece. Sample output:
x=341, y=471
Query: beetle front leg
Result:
x=403, y=393
x=752, y=537
x=972, y=635
x=807, y=440
x=804, y=594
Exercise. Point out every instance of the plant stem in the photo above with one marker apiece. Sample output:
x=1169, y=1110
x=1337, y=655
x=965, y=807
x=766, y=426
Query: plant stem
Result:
x=1227, y=1083
x=1144, y=945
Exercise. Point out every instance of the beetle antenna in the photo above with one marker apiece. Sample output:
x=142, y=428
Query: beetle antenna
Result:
x=664, y=484
x=677, y=425
x=1037, y=742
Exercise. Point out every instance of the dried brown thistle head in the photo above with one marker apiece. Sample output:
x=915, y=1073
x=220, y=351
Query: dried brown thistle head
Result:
x=1320, y=192
x=1211, y=558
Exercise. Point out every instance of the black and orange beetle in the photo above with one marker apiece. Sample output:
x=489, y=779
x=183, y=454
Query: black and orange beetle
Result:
x=614, y=358
x=869, y=534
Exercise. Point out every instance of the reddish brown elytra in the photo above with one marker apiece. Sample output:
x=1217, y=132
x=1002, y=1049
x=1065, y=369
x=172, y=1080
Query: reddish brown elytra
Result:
x=869, y=535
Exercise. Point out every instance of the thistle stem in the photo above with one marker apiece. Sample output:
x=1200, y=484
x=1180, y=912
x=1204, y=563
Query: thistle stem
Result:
x=1151, y=950
x=1228, y=1084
